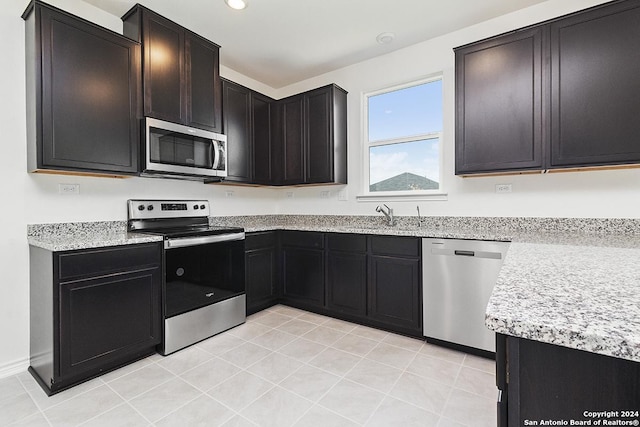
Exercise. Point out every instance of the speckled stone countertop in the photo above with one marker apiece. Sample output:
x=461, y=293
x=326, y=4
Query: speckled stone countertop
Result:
x=84, y=235
x=572, y=282
x=584, y=296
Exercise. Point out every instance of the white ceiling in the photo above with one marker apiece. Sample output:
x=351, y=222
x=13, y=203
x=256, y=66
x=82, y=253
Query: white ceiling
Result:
x=280, y=42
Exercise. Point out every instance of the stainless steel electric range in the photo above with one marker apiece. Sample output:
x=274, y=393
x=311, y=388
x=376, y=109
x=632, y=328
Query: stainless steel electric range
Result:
x=203, y=286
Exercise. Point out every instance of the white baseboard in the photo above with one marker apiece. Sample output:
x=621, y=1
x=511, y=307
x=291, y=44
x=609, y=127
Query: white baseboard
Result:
x=15, y=367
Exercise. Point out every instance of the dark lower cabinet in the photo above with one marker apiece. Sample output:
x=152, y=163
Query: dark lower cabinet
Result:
x=374, y=280
x=347, y=273
x=261, y=270
x=548, y=382
x=303, y=268
x=83, y=95
x=395, y=296
x=92, y=311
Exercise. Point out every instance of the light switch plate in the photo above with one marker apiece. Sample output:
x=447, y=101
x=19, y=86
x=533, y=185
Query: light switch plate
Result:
x=343, y=196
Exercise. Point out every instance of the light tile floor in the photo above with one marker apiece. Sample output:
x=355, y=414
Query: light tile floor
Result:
x=283, y=367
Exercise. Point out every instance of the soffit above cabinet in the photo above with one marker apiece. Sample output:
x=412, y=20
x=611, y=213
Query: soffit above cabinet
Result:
x=280, y=42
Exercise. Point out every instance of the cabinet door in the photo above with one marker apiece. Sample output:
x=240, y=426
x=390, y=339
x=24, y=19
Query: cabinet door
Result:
x=163, y=70
x=202, y=63
x=347, y=273
x=303, y=268
x=261, y=270
x=499, y=104
x=103, y=320
x=595, y=91
x=292, y=134
x=394, y=292
x=262, y=142
x=542, y=376
x=237, y=126
x=303, y=275
x=89, y=96
x=319, y=132
x=347, y=282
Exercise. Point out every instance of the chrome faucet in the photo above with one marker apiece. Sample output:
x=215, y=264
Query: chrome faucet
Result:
x=388, y=213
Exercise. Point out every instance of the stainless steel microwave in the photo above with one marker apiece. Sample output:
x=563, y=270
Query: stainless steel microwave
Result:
x=178, y=151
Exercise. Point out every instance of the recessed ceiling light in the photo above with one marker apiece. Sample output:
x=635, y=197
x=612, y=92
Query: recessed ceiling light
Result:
x=385, y=38
x=236, y=4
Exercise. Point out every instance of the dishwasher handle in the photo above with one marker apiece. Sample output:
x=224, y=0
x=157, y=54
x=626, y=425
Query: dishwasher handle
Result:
x=467, y=253
x=464, y=253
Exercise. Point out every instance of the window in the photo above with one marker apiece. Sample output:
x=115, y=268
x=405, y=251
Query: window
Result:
x=403, y=136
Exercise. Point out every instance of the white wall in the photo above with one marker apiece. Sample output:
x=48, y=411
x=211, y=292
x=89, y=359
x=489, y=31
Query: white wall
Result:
x=33, y=198
x=576, y=194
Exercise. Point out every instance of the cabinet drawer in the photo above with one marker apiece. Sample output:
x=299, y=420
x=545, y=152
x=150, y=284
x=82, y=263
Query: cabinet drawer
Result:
x=306, y=239
x=347, y=242
x=95, y=262
x=259, y=240
x=398, y=246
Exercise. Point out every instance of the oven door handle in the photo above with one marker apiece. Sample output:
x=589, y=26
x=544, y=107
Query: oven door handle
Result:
x=202, y=240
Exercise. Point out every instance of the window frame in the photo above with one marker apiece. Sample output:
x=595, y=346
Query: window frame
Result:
x=366, y=145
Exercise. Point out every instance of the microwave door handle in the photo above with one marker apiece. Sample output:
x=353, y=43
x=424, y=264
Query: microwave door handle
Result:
x=216, y=154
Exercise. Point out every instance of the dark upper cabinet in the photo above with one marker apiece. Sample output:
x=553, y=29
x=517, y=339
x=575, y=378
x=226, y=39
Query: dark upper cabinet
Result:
x=181, y=71
x=261, y=270
x=594, y=87
x=312, y=134
x=247, y=125
x=83, y=92
x=297, y=140
x=236, y=103
x=560, y=94
x=292, y=139
x=204, y=93
x=499, y=104
x=92, y=310
x=262, y=123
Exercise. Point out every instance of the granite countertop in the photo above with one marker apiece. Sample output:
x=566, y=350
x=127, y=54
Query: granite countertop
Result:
x=569, y=282
x=581, y=296
x=73, y=236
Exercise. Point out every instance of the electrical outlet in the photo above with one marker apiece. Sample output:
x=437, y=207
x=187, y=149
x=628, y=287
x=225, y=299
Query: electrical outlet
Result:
x=324, y=194
x=503, y=188
x=343, y=196
x=228, y=193
x=69, y=189
x=289, y=194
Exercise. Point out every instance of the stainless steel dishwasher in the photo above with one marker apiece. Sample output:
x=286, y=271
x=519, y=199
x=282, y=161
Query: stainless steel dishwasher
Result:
x=458, y=278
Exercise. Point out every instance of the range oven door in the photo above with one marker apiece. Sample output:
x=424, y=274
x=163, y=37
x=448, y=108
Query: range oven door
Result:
x=200, y=271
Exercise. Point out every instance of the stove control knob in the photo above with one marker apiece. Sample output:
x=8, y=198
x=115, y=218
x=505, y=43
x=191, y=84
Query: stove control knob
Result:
x=150, y=207
x=201, y=206
x=195, y=207
x=140, y=207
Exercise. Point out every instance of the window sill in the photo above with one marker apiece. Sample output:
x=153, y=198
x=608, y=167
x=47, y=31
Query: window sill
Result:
x=383, y=197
